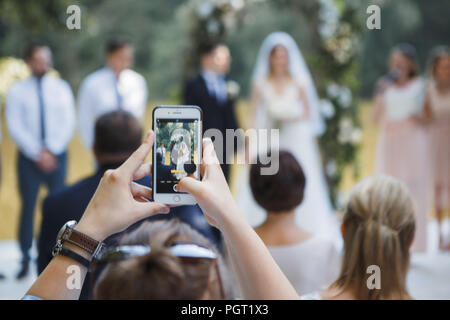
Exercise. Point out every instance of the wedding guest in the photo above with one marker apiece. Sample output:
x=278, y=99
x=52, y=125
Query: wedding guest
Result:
x=113, y=208
x=209, y=91
x=402, y=149
x=162, y=151
x=114, y=87
x=438, y=111
x=378, y=229
x=40, y=116
x=310, y=262
x=161, y=273
x=117, y=135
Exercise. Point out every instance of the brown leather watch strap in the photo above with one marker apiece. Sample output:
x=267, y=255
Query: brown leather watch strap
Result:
x=81, y=240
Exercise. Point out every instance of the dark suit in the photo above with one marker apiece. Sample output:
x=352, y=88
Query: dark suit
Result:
x=215, y=114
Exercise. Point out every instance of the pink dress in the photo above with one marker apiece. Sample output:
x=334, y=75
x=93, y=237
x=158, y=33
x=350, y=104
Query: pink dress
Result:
x=440, y=143
x=402, y=150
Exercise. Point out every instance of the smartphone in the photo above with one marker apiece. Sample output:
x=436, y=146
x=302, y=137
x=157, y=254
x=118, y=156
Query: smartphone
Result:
x=176, y=152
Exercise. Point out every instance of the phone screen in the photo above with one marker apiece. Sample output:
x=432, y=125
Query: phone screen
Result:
x=176, y=152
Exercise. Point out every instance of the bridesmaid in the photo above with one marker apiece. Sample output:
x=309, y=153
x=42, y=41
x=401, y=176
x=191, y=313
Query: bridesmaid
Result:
x=402, y=144
x=437, y=109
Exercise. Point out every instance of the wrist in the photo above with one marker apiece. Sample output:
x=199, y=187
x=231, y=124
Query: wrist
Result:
x=78, y=250
x=90, y=229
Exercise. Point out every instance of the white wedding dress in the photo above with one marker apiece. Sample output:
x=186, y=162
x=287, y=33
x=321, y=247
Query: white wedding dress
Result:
x=315, y=214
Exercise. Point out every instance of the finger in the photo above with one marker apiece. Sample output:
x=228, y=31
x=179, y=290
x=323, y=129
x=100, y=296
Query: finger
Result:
x=143, y=171
x=209, y=154
x=141, y=199
x=138, y=190
x=190, y=185
x=137, y=158
x=148, y=209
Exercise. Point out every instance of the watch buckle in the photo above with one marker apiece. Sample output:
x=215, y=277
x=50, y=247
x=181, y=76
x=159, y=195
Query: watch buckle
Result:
x=57, y=248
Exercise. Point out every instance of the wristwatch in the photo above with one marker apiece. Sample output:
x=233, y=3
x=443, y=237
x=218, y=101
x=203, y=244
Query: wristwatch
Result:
x=70, y=235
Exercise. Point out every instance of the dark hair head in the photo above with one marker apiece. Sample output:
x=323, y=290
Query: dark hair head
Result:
x=436, y=54
x=159, y=274
x=282, y=191
x=117, y=133
x=208, y=47
x=116, y=44
x=408, y=51
x=32, y=48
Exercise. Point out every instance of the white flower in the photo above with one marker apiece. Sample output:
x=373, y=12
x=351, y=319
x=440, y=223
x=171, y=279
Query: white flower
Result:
x=345, y=97
x=333, y=90
x=331, y=168
x=237, y=4
x=345, y=131
x=204, y=9
x=233, y=89
x=327, y=108
x=329, y=18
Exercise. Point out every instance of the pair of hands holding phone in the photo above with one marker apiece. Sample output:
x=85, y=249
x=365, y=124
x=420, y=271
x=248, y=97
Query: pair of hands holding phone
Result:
x=119, y=201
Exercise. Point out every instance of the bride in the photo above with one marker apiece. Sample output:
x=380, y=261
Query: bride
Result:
x=284, y=97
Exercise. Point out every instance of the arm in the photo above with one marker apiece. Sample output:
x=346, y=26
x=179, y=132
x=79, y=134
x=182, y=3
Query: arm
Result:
x=306, y=111
x=258, y=274
x=117, y=204
x=427, y=110
x=17, y=127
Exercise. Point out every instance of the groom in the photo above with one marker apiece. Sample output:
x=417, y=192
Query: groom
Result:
x=210, y=91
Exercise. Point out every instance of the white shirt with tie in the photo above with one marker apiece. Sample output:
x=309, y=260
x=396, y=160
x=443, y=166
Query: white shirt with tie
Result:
x=101, y=92
x=23, y=115
x=216, y=85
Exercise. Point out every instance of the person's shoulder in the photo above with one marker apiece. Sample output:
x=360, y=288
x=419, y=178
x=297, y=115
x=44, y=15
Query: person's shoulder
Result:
x=58, y=81
x=95, y=77
x=19, y=85
x=322, y=243
x=194, y=80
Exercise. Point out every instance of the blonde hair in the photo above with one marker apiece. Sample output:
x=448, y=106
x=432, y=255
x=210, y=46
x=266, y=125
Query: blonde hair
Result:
x=379, y=229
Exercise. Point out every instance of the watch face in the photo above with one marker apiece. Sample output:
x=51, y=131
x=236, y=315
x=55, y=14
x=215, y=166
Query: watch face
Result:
x=69, y=224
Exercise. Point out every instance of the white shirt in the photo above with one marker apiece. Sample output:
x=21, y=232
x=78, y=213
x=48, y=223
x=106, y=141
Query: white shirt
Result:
x=402, y=103
x=310, y=265
x=216, y=85
x=98, y=95
x=23, y=117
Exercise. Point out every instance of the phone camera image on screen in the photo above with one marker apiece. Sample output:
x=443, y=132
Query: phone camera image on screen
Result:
x=176, y=152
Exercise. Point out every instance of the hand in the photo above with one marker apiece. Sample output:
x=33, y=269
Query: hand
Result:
x=47, y=162
x=212, y=192
x=119, y=202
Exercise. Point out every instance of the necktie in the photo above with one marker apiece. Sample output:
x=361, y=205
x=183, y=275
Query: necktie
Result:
x=220, y=89
x=41, y=111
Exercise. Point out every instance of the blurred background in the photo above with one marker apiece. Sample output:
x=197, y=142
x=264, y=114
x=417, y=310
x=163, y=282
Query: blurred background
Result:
x=345, y=58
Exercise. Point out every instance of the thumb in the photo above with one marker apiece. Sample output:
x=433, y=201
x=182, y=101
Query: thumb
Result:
x=189, y=185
